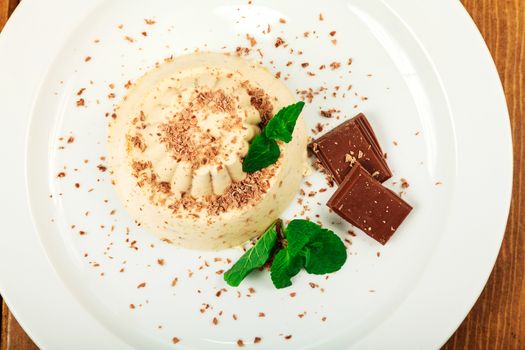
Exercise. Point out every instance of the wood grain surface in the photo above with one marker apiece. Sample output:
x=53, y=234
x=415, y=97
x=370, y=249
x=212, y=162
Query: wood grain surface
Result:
x=497, y=321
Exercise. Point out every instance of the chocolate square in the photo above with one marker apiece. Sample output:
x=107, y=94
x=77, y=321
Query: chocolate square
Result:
x=350, y=143
x=365, y=203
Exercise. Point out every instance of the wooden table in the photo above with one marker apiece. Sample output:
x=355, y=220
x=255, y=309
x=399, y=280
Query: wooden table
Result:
x=497, y=321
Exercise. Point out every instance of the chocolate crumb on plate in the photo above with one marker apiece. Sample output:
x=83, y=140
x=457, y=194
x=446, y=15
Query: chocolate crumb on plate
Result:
x=328, y=113
x=335, y=65
x=251, y=39
x=279, y=41
x=101, y=167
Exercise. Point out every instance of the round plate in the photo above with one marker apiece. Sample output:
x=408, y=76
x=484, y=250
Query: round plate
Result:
x=77, y=273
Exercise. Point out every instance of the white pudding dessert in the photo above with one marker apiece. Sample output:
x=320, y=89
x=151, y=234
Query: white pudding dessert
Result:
x=177, y=142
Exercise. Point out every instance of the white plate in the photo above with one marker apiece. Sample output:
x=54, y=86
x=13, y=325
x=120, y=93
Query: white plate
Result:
x=431, y=86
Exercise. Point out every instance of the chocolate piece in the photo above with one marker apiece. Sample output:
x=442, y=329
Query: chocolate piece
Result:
x=352, y=142
x=368, y=205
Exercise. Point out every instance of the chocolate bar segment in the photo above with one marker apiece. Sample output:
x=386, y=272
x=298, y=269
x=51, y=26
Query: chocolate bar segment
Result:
x=350, y=143
x=365, y=203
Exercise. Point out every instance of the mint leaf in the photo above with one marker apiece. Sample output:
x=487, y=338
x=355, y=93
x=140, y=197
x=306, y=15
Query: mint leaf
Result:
x=284, y=267
x=298, y=233
x=318, y=250
x=289, y=261
x=263, y=152
x=254, y=258
x=281, y=126
x=306, y=244
x=324, y=253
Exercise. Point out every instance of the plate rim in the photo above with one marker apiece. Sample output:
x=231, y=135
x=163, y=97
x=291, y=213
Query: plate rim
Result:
x=26, y=307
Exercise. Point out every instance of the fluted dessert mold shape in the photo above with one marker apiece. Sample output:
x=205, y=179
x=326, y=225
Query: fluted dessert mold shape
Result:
x=176, y=144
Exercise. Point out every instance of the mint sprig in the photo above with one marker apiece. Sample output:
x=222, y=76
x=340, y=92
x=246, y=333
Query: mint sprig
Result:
x=281, y=126
x=262, y=153
x=284, y=267
x=306, y=244
x=324, y=253
x=318, y=250
x=264, y=150
x=254, y=258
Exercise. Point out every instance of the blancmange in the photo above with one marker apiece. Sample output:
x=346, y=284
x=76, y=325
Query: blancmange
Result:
x=176, y=146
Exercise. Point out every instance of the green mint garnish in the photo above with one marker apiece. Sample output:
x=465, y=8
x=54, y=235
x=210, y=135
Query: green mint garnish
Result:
x=318, y=250
x=281, y=126
x=284, y=267
x=325, y=253
x=307, y=245
x=254, y=258
x=298, y=233
x=264, y=150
